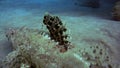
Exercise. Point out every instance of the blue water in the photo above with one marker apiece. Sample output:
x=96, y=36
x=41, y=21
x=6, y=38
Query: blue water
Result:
x=17, y=8
x=11, y=9
x=52, y=6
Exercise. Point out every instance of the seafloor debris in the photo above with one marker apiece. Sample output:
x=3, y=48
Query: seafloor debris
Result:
x=116, y=11
x=35, y=49
x=56, y=30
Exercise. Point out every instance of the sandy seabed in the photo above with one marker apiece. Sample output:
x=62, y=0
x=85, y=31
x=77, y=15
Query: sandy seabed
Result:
x=84, y=29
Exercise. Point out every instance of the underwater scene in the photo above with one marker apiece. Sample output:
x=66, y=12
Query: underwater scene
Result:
x=59, y=33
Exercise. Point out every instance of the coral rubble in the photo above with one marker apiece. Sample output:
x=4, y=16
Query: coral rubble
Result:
x=116, y=11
